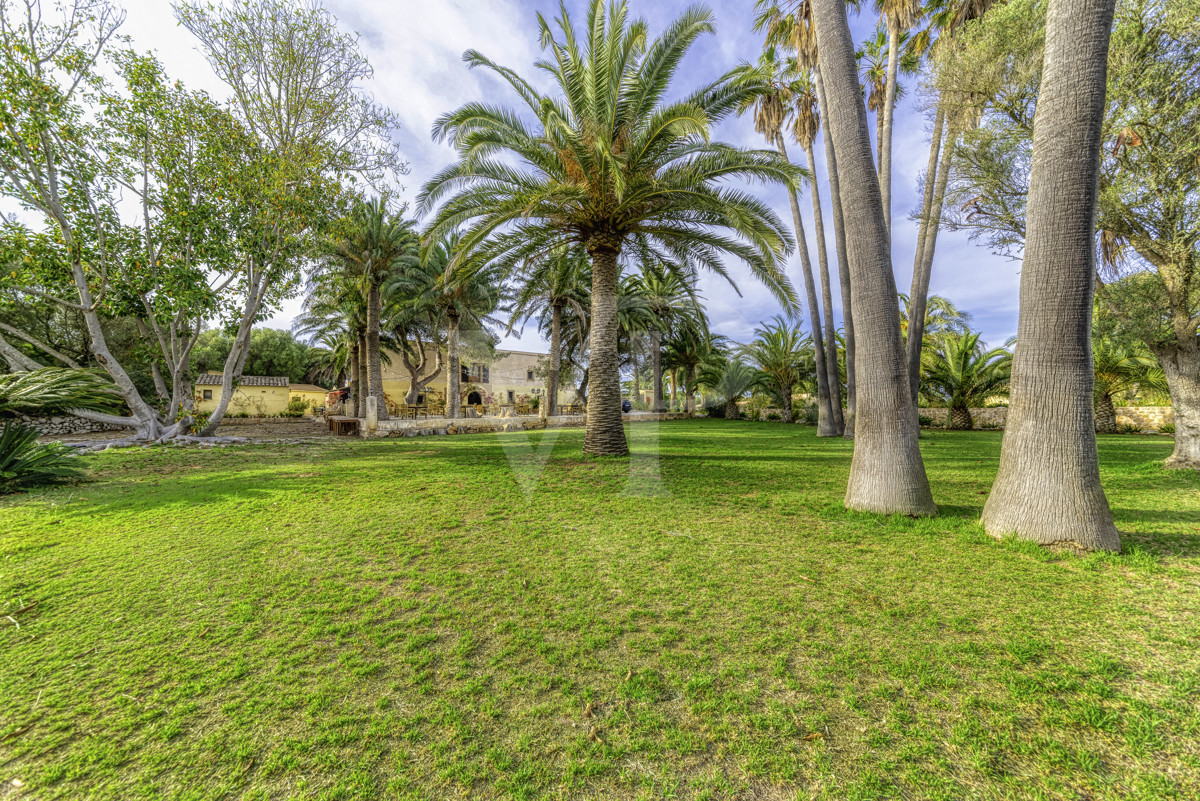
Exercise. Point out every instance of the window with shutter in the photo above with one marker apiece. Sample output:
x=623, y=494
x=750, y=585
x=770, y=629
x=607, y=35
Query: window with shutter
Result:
x=486, y=379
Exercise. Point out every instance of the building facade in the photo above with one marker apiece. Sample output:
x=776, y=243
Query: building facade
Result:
x=254, y=395
x=511, y=377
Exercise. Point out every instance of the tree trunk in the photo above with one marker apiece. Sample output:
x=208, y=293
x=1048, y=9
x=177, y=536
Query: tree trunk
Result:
x=1106, y=415
x=637, y=380
x=833, y=380
x=731, y=409
x=18, y=362
x=689, y=391
x=454, y=376
x=356, y=383
x=1181, y=365
x=959, y=419
x=839, y=238
x=360, y=406
x=826, y=426
x=935, y=192
x=417, y=382
x=555, y=359
x=786, y=398
x=888, y=112
x=886, y=474
x=374, y=354
x=674, y=405
x=1048, y=486
x=605, y=434
x=660, y=402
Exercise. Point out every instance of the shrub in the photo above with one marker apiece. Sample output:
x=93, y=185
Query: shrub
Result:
x=297, y=407
x=808, y=415
x=715, y=410
x=1130, y=428
x=1167, y=428
x=773, y=416
x=25, y=463
x=926, y=422
x=988, y=426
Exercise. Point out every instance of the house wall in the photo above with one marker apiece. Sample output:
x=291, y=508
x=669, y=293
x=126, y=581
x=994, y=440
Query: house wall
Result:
x=508, y=372
x=316, y=400
x=258, y=401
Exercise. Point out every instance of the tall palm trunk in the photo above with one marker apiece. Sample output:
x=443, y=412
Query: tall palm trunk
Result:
x=689, y=391
x=356, y=382
x=454, y=377
x=833, y=379
x=826, y=426
x=888, y=115
x=374, y=354
x=1181, y=366
x=660, y=403
x=839, y=239
x=1048, y=486
x=555, y=358
x=887, y=474
x=674, y=406
x=637, y=375
x=361, y=406
x=931, y=221
x=605, y=434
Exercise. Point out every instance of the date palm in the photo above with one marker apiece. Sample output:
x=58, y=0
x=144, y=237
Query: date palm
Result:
x=373, y=246
x=613, y=165
x=961, y=374
x=1120, y=368
x=784, y=355
x=549, y=285
x=670, y=294
x=785, y=99
x=732, y=381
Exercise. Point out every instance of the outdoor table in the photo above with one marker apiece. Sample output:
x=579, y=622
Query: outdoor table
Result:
x=343, y=425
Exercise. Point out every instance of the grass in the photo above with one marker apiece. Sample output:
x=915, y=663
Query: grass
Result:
x=399, y=619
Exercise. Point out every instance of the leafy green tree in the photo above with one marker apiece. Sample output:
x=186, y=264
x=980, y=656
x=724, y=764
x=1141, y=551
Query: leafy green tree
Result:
x=961, y=374
x=614, y=166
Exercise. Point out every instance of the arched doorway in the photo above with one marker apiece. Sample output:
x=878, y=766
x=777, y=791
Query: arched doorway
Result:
x=474, y=399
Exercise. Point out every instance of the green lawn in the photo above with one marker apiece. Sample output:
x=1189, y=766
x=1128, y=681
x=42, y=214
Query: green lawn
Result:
x=397, y=619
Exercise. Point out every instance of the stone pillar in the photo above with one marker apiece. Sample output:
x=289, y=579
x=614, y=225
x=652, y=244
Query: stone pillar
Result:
x=372, y=413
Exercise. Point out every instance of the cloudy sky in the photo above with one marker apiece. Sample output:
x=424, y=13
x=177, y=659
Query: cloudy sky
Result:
x=416, y=49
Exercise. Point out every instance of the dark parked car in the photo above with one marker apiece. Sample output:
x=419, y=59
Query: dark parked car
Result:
x=626, y=405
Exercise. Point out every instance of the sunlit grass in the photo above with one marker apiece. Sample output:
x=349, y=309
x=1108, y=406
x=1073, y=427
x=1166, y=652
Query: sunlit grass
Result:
x=398, y=619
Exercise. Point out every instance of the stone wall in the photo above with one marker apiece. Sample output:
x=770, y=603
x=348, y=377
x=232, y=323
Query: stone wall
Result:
x=1146, y=418
x=483, y=425
x=67, y=424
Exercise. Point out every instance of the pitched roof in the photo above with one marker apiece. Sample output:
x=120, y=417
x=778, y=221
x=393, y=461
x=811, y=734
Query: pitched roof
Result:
x=306, y=388
x=214, y=379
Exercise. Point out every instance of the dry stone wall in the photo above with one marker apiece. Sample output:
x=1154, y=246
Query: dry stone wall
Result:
x=1146, y=418
x=67, y=424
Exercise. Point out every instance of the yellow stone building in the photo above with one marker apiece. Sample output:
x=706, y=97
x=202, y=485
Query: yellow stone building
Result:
x=310, y=393
x=254, y=395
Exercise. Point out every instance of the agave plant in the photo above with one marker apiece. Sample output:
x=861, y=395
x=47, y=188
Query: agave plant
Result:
x=24, y=462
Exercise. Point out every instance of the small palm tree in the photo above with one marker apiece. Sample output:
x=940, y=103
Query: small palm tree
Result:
x=614, y=166
x=941, y=317
x=1120, y=368
x=960, y=373
x=784, y=355
x=670, y=294
x=49, y=391
x=732, y=381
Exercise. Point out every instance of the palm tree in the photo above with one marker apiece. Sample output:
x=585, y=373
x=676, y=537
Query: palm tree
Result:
x=886, y=474
x=335, y=312
x=732, y=381
x=961, y=374
x=612, y=166
x=901, y=15
x=670, y=294
x=941, y=317
x=780, y=99
x=687, y=352
x=1048, y=486
x=795, y=30
x=783, y=354
x=374, y=247
x=550, y=285
x=1120, y=368
x=464, y=293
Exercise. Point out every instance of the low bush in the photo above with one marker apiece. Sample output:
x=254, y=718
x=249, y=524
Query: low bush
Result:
x=1130, y=428
x=773, y=416
x=1167, y=428
x=25, y=463
x=926, y=422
